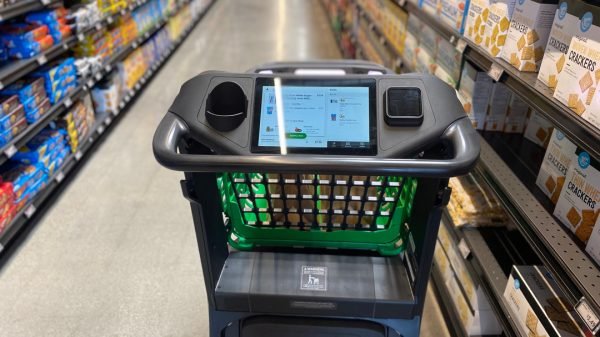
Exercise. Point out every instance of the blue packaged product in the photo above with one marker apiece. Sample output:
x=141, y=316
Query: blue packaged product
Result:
x=60, y=93
x=47, y=16
x=35, y=115
x=25, y=88
x=33, y=102
x=61, y=82
x=3, y=54
x=35, y=187
x=17, y=33
x=55, y=70
x=8, y=135
x=42, y=144
x=22, y=176
x=29, y=49
x=9, y=120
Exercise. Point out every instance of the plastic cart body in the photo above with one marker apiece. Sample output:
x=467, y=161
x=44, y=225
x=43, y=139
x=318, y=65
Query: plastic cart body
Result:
x=332, y=176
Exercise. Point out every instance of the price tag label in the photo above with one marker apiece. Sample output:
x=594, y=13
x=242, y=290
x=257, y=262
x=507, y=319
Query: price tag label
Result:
x=147, y=35
x=495, y=72
x=110, y=20
x=29, y=211
x=588, y=315
x=60, y=177
x=107, y=121
x=80, y=37
x=402, y=3
x=68, y=102
x=90, y=83
x=78, y=155
x=464, y=249
x=121, y=105
x=42, y=60
x=127, y=98
x=123, y=12
x=134, y=44
x=10, y=151
x=100, y=129
x=461, y=45
x=137, y=86
x=98, y=76
x=65, y=46
x=46, y=2
x=1, y=85
x=98, y=25
x=108, y=68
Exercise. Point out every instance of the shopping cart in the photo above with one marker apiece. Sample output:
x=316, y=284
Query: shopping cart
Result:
x=329, y=226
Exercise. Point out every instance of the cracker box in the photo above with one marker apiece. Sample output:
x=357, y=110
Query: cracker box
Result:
x=528, y=33
x=476, y=87
x=538, y=129
x=577, y=206
x=425, y=61
x=592, y=114
x=497, y=25
x=593, y=245
x=449, y=58
x=494, y=121
x=429, y=39
x=572, y=18
x=516, y=115
x=557, y=159
x=430, y=6
x=411, y=44
x=580, y=78
x=454, y=13
x=476, y=18
x=538, y=306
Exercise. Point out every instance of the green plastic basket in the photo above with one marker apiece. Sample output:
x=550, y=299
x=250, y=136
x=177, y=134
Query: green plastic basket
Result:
x=324, y=211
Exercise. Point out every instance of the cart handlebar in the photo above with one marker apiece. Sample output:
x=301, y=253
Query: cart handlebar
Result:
x=460, y=135
x=323, y=67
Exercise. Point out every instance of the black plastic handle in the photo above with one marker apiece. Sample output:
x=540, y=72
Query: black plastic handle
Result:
x=323, y=67
x=461, y=135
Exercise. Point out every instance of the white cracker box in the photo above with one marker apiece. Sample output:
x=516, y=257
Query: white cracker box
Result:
x=411, y=44
x=557, y=159
x=516, y=115
x=497, y=26
x=580, y=79
x=432, y=7
x=538, y=129
x=528, y=33
x=477, y=16
x=592, y=114
x=429, y=38
x=425, y=62
x=577, y=206
x=476, y=87
x=572, y=18
x=593, y=246
x=449, y=58
x=454, y=13
x=494, y=121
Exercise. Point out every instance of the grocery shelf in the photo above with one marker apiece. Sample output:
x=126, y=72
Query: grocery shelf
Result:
x=23, y=7
x=576, y=273
x=382, y=40
x=455, y=327
x=102, y=124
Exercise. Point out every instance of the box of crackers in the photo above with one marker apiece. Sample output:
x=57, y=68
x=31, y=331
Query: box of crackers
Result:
x=538, y=129
x=477, y=16
x=557, y=160
x=593, y=245
x=538, y=306
x=580, y=78
x=528, y=33
x=497, y=25
x=572, y=18
x=516, y=117
x=476, y=89
x=454, y=13
x=430, y=6
x=494, y=121
x=577, y=206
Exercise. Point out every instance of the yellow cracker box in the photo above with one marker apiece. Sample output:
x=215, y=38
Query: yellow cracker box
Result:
x=477, y=16
x=593, y=245
x=497, y=25
x=577, y=82
x=476, y=88
x=572, y=18
x=538, y=129
x=528, y=33
x=557, y=160
x=494, y=120
x=516, y=116
x=577, y=206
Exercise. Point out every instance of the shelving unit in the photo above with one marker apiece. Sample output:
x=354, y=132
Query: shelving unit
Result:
x=25, y=6
x=103, y=123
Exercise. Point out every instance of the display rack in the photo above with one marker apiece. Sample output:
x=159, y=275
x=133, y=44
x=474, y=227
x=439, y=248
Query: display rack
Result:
x=23, y=7
x=31, y=212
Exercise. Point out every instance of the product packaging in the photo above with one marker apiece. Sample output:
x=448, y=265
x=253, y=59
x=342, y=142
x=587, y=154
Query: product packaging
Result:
x=538, y=129
x=494, y=120
x=497, y=25
x=478, y=13
x=557, y=160
x=454, y=13
x=517, y=115
x=476, y=88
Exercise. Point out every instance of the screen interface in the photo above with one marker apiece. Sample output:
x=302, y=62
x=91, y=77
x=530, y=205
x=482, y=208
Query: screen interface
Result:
x=329, y=117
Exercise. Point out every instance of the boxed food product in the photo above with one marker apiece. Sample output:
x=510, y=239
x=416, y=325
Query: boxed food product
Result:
x=395, y=27
x=430, y=6
x=25, y=88
x=538, y=129
x=573, y=18
x=476, y=87
x=32, y=103
x=9, y=120
x=576, y=206
x=411, y=44
x=56, y=70
x=538, y=306
x=557, y=160
x=528, y=33
x=497, y=25
x=580, y=79
x=22, y=176
x=454, y=13
x=473, y=204
x=31, y=49
x=516, y=116
x=494, y=121
x=476, y=21
x=35, y=115
x=593, y=245
x=425, y=62
x=7, y=196
x=7, y=217
x=450, y=59
x=8, y=135
x=8, y=104
x=18, y=34
x=45, y=142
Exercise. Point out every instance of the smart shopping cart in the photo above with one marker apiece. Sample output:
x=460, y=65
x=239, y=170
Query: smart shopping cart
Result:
x=332, y=177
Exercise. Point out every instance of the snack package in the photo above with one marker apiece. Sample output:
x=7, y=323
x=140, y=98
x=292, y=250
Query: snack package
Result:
x=573, y=18
x=31, y=49
x=454, y=13
x=450, y=59
x=8, y=104
x=45, y=142
x=22, y=176
x=528, y=33
x=557, y=160
x=538, y=129
x=17, y=127
x=18, y=34
x=497, y=24
x=516, y=116
x=593, y=245
x=577, y=205
x=476, y=88
x=32, y=103
x=473, y=204
x=9, y=120
x=430, y=6
x=494, y=121
x=25, y=88
x=478, y=13
x=36, y=114
x=56, y=70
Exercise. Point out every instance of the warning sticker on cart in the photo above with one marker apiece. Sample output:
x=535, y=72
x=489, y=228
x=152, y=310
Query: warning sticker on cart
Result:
x=313, y=278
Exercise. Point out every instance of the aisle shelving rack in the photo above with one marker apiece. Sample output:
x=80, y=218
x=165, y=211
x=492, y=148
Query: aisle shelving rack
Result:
x=24, y=218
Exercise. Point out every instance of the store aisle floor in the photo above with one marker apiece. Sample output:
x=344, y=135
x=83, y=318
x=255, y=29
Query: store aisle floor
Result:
x=116, y=255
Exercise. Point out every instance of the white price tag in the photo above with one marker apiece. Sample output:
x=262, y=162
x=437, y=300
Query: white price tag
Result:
x=107, y=121
x=147, y=35
x=65, y=46
x=98, y=25
x=68, y=102
x=465, y=251
x=10, y=151
x=496, y=72
x=60, y=176
x=110, y=20
x=588, y=315
x=402, y=3
x=80, y=37
x=461, y=45
x=29, y=211
x=98, y=76
x=108, y=68
x=78, y=155
x=90, y=83
x=137, y=86
x=1, y=85
x=121, y=105
x=134, y=44
x=45, y=2
x=127, y=98
x=123, y=12
x=100, y=129
x=42, y=60
x=452, y=39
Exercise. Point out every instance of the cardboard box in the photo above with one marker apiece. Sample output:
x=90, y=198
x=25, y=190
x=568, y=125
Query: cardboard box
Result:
x=476, y=87
x=567, y=23
x=411, y=44
x=429, y=39
x=494, y=120
x=557, y=159
x=450, y=59
x=580, y=79
x=425, y=61
x=516, y=116
x=528, y=33
x=497, y=25
x=394, y=29
x=476, y=21
x=454, y=13
x=577, y=206
x=592, y=114
x=537, y=305
x=593, y=245
x=538, y=129
x=432, y=7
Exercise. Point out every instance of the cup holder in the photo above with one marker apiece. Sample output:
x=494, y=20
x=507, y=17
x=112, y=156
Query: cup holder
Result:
x=226, y=107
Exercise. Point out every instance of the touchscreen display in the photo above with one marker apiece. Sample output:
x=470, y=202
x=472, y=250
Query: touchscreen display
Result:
x=326, y=117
